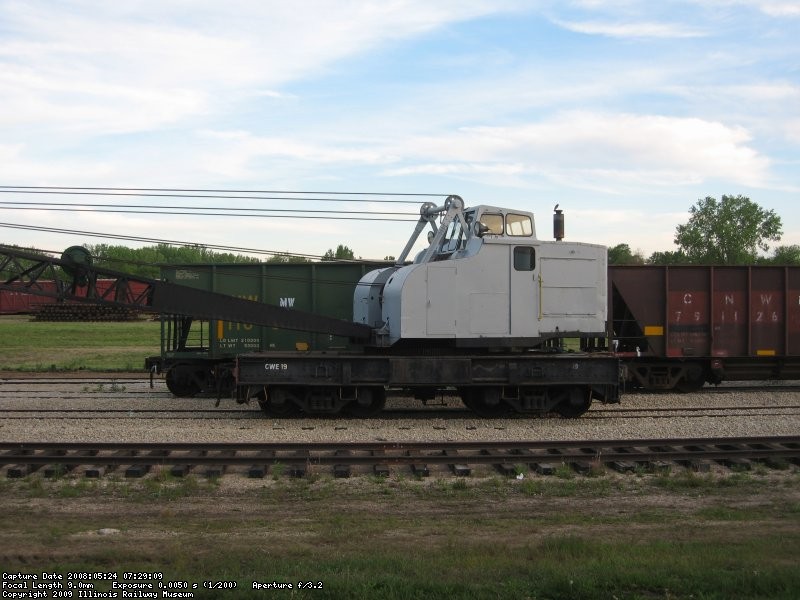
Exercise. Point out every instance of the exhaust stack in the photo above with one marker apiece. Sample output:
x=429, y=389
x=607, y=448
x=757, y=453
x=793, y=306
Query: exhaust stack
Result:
x=558, y=223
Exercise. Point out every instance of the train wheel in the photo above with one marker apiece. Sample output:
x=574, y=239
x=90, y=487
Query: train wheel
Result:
x=575, y=401
x=370, y=401
x=182, y=381
x=261, y=398
x=466, y=397
x=692, y=380
x=278, y=403
x=485, y=401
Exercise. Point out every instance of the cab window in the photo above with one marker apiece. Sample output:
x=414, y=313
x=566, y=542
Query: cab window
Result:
x=518, y=225
x=524, y=258
x=494, y=223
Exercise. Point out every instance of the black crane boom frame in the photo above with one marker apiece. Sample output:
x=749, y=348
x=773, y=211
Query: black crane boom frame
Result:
x=24, y=271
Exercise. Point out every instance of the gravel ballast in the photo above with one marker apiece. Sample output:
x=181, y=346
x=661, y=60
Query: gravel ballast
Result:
x=599, y=423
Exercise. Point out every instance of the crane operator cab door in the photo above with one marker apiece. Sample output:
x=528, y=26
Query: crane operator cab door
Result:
x=509, y=262
x=523, y=272
x=524, y=291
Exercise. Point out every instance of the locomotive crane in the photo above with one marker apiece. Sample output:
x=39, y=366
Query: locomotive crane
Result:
x=480, y=311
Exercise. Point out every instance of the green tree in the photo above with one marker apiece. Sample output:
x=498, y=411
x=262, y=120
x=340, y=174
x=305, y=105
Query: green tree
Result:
x=668, y=258
x=286, y=258
x=784, y=256
x=145, y=261
x=621, y=254
x=342, y=253
x=727, y=232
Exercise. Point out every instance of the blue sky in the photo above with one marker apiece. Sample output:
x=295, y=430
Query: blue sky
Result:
x=624, y=112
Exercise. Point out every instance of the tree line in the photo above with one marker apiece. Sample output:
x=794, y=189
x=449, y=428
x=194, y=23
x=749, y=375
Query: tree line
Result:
x=731, y=231
x=146, y=261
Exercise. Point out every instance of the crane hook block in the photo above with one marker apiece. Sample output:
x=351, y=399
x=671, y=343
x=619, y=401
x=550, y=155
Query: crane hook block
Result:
x=76, y=260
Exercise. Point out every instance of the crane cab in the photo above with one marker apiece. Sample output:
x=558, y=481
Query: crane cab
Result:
x=485, y=280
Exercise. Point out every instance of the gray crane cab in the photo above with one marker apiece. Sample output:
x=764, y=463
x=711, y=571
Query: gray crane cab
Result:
x=485, y=280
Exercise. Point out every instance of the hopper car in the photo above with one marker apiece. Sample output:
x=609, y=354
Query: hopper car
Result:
x=680, y=327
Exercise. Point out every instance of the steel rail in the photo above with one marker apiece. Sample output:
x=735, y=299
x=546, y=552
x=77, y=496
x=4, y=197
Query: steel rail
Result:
x=421, y=418
x=370, y=453
x=394, y=414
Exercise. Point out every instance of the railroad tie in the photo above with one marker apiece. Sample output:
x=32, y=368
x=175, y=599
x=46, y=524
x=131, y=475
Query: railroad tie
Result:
x=259, y=469
x=182, y=470
x=341, y=471
x=97, y=471
x=219, y=469
x=543, y=467
x=459, y=469
x=505, y=468
x=622, y=466
x=295, y=468
x=57, y=469
x=142, y=469
x=23, y=470
x=15, y=471
x=382, y=469
x=420, y=470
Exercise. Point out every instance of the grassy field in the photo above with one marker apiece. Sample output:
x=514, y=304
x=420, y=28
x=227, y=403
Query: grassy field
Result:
x=72, y=346
x=611, y=536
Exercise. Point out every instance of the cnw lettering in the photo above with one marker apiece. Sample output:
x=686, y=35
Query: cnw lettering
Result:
x=287, y=302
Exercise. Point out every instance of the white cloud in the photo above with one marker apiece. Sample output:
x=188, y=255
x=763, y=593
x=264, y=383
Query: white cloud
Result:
x=114, y=67
x=632, y=29
x=583, y=149
x=792, y=129
x=778, y=91
x=16, y=168
x=612, y=148
x=461, y=169
x=238, y=153
x=774, y=8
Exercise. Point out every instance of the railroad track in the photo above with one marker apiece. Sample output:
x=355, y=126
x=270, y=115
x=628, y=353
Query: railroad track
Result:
x=728, y=388
x=122, y=379
x=693, y=412
x=389, y=414
x=508, y=457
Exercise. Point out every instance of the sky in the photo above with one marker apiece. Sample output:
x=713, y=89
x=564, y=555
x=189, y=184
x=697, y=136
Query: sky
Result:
x=623, y=112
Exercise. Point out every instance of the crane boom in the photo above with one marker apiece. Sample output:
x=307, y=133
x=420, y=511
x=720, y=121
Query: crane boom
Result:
x=76, y=279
